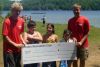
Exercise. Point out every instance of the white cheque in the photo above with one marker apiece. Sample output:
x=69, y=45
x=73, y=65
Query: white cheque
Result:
x=36, y=53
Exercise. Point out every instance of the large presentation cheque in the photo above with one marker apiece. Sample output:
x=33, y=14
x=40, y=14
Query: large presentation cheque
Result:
x=37, y=53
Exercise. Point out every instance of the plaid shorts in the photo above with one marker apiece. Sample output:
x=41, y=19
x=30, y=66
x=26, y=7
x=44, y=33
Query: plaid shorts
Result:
x=82, y=53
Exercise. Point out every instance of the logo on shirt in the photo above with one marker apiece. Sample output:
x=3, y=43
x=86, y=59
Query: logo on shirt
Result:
x=19, y=27
x=80, y=24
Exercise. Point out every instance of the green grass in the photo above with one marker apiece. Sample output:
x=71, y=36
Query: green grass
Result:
x=58, y=29
x=94, y=36
x=0, y=31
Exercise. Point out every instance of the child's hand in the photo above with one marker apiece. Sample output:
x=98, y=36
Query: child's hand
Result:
x=79, y=43
x=75, y=40
x=29, y=36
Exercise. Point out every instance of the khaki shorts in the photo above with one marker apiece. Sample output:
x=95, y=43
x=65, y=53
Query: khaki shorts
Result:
x=82, y=53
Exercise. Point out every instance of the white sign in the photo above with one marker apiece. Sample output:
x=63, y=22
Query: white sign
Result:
x=36, y=53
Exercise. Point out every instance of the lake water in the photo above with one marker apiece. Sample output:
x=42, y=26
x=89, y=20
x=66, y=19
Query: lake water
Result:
x=61, y=17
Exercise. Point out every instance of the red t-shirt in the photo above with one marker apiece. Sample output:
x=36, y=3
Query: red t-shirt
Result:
x=13, y=30
x=79, y=27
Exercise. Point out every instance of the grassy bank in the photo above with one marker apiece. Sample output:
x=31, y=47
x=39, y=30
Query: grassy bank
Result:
x=94, y=41
x=93, y=35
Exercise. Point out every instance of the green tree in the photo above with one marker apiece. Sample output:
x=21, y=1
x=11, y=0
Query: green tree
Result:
x=1, y=7
x=54, y=4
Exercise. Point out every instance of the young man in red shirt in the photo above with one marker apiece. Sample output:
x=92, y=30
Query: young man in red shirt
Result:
x=79, y=26
x=13, y=27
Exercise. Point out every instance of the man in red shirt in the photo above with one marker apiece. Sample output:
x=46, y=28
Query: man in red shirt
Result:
x=79, y=26
x=13, y=27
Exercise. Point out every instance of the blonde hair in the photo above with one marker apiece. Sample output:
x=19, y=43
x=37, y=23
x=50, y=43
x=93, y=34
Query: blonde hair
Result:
x=17, y=6
x=77, y=6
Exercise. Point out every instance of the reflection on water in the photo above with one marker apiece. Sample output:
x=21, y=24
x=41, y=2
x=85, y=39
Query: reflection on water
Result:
x=60, y=16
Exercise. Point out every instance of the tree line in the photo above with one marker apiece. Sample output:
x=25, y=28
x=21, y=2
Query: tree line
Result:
x=53, y=4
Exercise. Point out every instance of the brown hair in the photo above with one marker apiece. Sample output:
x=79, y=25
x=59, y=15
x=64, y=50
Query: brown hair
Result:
x=67, y=32
x=31, y=24
x=52, y=25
